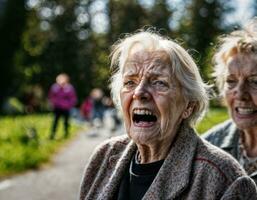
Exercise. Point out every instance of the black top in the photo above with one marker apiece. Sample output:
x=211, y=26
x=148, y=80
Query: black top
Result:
x=137, y=180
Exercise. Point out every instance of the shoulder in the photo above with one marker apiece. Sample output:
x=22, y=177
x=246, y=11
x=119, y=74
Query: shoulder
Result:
x=100, y=167
x=100, y=158
x=111, y=146
x=69, y=88
x=218, y=132
x=55, y=87
x=242, y=188
x=217, y=163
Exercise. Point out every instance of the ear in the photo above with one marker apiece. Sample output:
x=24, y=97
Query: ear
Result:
x=189, y=109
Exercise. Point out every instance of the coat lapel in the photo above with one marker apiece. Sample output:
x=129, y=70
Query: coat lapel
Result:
x=121, y=162
x=231, y=141
x=174, y=175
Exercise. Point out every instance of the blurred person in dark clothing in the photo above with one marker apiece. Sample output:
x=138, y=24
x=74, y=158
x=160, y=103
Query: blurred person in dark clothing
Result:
x=62, y=97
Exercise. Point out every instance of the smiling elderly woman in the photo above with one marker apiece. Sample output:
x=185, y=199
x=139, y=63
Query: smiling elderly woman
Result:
x=161, y=95
x=236, y=77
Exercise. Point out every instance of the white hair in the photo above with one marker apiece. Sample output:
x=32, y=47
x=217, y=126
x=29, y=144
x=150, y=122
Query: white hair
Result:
x=240, y=41
x=182, y=64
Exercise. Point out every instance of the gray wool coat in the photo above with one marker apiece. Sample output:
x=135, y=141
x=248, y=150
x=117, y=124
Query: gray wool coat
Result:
x=193, y=170
x=226, y=136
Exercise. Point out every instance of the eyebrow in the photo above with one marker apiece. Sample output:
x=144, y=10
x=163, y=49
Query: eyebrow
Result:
x=155, y=74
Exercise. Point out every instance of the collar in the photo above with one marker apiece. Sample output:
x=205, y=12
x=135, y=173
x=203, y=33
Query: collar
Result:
x=118, y=170
x=174, y=175
x=231, y=139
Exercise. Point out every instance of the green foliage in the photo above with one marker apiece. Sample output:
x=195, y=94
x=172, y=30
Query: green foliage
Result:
x=24, y=142
x=213, y=116
x=14, y=106
x=159, y=16
x=55, y=36
x=11, y=28
x=125, y=17
x=203, y=21
x=34, y=39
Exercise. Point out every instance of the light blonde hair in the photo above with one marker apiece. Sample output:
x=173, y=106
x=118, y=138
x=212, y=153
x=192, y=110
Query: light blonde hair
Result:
x=240, y=41
x=182, y=64
x=62, y=79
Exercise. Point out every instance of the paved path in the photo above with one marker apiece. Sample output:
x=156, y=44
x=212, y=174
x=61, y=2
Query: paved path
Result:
x=60, y=181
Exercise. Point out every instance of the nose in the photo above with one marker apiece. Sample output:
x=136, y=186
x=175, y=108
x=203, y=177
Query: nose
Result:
x=141, y=92
x=241, y=92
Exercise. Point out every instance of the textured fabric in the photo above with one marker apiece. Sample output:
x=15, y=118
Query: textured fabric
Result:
x=193, y=169
x=227, y=137
x=249, y=164
x=62, y=97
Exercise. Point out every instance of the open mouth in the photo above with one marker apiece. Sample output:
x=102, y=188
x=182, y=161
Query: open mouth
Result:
x=143, y=116
x=245, y=111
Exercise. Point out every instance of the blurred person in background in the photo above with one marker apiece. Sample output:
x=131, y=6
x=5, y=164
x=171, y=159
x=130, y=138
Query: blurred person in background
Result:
x=97, y=95
x=111, y=120
x=86, y=109
x=62, y=97
x=160, y=92
x=92, y=107
x=235, y=71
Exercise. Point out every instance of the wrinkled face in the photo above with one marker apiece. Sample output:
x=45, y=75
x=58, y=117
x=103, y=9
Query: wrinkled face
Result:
x=241, y=90
x=151, y=98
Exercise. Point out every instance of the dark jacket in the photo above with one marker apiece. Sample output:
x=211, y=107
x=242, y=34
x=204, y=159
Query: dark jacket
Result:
x=194, y=169
x=226, y=136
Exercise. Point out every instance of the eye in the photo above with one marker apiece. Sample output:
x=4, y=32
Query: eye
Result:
x=231, y=83
x=129, y=83
x=160, y=84
x=253, y=82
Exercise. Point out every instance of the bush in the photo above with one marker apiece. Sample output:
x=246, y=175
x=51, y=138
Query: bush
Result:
x=12, y=106
x=24, y=142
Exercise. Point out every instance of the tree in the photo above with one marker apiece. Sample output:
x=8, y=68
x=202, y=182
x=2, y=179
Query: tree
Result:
x=126, y=16
x=159, y=15
x=11, y=28
x=57, y=42
x=201, y=26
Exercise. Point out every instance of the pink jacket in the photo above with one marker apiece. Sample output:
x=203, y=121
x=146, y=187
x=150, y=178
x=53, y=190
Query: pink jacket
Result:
x=62, y=97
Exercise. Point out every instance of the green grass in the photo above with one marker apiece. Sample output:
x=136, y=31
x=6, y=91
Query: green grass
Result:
x=213, y=116
x=21, y=149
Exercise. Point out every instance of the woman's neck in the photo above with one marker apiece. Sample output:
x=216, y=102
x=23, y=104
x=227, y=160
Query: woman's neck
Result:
x=153, y=152
x=249, y=139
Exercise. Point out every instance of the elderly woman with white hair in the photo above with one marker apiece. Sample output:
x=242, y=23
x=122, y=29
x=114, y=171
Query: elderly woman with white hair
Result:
x=159, y=90
x=235, y=71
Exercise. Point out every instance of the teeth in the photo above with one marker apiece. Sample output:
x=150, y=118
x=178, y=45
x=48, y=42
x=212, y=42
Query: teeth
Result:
x=142, y=112
x=245, y=111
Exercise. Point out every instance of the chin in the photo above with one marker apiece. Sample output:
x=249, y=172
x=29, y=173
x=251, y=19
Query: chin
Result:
x=141, y=138
x=246, y=125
